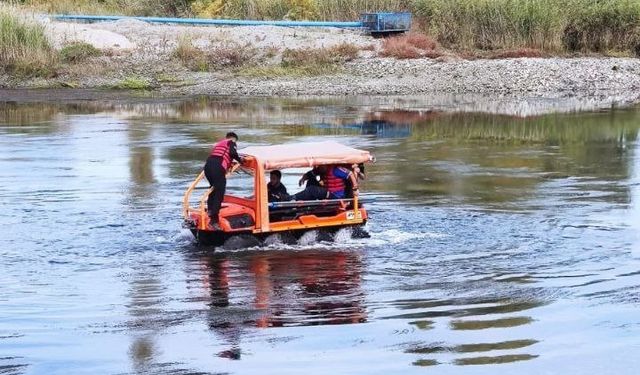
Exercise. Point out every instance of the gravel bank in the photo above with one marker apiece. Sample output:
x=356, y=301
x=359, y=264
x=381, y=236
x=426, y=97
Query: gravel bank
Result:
x=145, y=51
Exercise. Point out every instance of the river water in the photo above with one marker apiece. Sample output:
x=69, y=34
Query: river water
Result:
x=499, y=244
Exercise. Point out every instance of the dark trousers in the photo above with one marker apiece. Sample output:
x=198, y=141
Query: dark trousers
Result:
x=311, y=193
x=217, y=177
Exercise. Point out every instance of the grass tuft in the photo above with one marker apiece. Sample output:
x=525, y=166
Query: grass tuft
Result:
x=24, y=49
x=133, y=83
x=78, y=51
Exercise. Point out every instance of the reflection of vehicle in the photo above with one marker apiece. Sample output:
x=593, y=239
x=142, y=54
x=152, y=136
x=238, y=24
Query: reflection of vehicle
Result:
x=287, y=288
x=279, y=289
x=257, y=217
x=378, y=128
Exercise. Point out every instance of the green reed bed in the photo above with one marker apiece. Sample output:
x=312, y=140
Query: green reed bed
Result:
x=567, y=26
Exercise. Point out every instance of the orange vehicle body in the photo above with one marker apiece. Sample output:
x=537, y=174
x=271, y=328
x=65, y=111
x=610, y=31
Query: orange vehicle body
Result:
x=255, y=216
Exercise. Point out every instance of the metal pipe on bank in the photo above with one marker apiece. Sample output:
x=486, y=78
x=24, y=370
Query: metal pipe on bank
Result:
x=374, y=23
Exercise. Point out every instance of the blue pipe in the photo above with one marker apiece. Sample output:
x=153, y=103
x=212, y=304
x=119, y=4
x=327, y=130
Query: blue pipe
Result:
x=199, y=21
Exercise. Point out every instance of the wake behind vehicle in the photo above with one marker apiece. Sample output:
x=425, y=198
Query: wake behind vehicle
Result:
x=258, y=218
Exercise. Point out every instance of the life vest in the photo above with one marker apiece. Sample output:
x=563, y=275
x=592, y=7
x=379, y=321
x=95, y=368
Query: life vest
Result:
x=332, y=183
x=221, y=149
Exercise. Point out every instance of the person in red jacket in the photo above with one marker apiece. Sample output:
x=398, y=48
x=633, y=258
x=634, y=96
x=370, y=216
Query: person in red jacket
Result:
x=333, y=184
x=215, y=170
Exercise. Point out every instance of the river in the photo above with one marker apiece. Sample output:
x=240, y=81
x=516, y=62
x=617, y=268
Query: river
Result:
x=499, y=243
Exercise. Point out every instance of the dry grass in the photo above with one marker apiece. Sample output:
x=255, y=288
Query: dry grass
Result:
x=517, y=53
x=344, y=52
x=306, y=62
x=231, y=55
x=369, y=47
x=420, y=41
x=410, y=46
x=225, y=55
x=308, y=57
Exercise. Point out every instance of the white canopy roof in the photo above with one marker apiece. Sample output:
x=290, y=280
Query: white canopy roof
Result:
x=299, y=155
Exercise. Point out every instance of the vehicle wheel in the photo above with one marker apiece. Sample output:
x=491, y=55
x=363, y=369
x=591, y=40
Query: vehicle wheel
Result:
x=360, y=232
x=241, y=241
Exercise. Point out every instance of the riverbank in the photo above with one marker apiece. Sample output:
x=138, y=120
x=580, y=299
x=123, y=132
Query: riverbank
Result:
x=136, y=55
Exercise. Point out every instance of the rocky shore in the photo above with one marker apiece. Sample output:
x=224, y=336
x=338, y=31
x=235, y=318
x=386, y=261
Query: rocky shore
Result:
x=137, y=49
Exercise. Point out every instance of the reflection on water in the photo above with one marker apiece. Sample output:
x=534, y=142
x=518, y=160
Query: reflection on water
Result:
x=501, y=242
x=290, y=288
x=277, y=289
x=423, y=313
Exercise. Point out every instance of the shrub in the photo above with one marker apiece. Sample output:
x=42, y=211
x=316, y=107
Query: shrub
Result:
x=24, y=48
x=78, y=51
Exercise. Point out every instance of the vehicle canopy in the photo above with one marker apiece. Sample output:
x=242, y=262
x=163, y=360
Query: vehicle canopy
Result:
x=308, y=154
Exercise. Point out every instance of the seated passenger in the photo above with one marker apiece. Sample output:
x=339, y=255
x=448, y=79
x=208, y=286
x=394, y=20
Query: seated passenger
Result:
x=358, y=172
x=333, y=183
x=312, y=177
x=358, y=169
x=335, y=179
x=276, y=191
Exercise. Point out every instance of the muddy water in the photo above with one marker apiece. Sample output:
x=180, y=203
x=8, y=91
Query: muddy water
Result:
x=499, y=244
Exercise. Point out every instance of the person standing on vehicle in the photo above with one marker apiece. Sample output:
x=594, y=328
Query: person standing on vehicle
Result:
x=215, y=170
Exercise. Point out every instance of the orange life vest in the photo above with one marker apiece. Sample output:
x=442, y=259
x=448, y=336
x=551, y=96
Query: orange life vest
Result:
x=221, y=149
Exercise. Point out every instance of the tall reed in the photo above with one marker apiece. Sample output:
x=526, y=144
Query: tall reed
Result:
x=571, y=25
x=24, y=48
